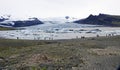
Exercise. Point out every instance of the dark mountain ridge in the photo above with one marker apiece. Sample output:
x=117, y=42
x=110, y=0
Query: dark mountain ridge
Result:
x=3, y=19
x=101, y=19
x=35, y=21
x=22, y=23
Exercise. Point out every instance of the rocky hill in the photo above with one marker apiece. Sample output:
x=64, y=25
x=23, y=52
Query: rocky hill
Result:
x=101, y=19
x=34, y=21
x=20, y=23
x=3, y=18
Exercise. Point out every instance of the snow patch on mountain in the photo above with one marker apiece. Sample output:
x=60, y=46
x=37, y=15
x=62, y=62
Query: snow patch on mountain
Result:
x=58, y=20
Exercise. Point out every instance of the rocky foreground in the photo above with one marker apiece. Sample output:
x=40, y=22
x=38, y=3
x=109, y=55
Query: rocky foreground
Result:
x=101, y=53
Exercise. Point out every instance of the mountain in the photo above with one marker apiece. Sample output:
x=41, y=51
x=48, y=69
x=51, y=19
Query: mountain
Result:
x=3, y=18
x=20, y=23
x=30, y=22
x=101, y=19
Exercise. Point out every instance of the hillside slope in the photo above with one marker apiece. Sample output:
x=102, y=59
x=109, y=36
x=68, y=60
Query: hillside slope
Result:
x=20, y=23
x=101, y=19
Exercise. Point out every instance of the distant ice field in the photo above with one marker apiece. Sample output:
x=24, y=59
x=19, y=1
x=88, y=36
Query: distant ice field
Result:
x=54, y=31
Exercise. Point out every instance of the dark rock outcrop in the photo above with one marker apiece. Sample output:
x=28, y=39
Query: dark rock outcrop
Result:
x=27, y=23
x=21, y=23
x=3, y=19
x=101, y=19
x=6, y=24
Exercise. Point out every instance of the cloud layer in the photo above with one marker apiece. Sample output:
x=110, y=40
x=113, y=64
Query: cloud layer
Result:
x=54, y=8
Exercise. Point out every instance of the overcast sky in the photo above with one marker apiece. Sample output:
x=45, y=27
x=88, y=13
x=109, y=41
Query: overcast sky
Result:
x=58, y=8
